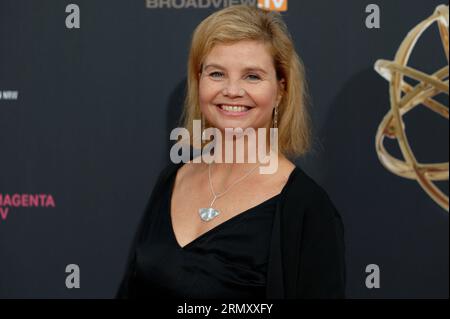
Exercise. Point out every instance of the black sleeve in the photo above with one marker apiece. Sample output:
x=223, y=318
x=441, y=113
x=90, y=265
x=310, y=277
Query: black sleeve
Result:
x=322, y=256
x=127, y=286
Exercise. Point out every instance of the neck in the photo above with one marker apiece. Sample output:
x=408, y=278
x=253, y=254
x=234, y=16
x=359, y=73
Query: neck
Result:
x=242, y=150
x=268, y=164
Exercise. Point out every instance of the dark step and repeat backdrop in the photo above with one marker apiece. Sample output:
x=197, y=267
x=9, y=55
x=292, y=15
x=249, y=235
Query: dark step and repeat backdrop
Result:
x=90, y=90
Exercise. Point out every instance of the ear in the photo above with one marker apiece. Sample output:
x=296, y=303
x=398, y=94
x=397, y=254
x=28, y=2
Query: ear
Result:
x=281, y=90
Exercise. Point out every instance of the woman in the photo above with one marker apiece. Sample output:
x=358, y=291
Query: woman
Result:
x=221, y=230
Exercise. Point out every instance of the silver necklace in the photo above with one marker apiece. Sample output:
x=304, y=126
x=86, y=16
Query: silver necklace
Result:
x=209, y=213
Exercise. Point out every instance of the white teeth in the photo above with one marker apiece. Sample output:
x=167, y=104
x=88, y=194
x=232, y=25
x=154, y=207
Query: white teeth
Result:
x=231, y=108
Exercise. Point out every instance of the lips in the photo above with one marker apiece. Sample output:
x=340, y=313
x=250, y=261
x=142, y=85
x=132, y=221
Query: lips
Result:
x=233, y=110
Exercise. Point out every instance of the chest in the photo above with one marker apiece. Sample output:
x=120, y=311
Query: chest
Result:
x=228, y=261
x=188, y=198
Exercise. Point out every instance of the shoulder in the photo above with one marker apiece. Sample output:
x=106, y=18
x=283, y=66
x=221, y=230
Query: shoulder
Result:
x=180, y=170
x=306, y=189
x=163, y=177
x=306, y=197
x=168, y=170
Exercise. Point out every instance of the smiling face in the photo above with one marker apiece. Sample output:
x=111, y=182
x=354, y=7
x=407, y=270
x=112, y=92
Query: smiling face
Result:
x=238, y=86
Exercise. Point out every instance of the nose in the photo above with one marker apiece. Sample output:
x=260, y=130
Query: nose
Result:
x=232, y=89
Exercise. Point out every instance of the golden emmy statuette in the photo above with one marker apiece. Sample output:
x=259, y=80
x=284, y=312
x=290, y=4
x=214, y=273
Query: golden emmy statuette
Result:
x=429, y=86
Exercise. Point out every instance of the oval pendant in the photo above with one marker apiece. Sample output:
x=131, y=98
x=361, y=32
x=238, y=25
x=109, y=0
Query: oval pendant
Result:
x=207, y=214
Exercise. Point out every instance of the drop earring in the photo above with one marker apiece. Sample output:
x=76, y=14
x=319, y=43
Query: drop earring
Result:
x=275, y=117
x=203, y=128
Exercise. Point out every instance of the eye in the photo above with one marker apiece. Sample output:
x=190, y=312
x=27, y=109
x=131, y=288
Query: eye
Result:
x=254, y=77
x=216, y=74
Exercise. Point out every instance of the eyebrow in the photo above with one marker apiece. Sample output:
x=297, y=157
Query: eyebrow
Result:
x=248, y=68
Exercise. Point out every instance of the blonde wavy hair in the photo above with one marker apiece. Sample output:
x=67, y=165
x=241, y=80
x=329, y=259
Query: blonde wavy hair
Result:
x=243, y=22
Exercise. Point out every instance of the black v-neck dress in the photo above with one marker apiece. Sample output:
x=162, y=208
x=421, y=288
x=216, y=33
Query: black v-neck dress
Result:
x=228, y=261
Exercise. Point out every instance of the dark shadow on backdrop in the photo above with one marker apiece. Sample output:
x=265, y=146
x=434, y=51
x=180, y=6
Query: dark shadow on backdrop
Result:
x=389, y=220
